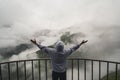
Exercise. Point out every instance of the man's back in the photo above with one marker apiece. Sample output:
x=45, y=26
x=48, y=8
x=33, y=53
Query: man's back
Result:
x=59, y=57
x=58, y=61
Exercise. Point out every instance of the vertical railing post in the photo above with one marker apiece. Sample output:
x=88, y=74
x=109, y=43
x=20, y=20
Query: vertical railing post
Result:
x=84, y=69
x=78, y=68
x=25, y=69
x=92, y=70
x=32, y=71
x=17, y=70
x=116, y=71
x=99, y=70
x=46, y=69
x=107, y=70
x=72, y=69
x=0, y=73
x=9, y=71
x=39, y=67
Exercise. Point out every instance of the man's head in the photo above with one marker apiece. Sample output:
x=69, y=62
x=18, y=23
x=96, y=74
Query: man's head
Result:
x=59, y=46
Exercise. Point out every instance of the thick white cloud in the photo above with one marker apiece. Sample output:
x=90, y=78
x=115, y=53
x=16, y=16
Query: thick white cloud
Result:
x=20, y=19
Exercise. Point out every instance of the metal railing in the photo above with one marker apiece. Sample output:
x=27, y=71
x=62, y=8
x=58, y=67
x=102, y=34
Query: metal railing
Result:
x=78, y=69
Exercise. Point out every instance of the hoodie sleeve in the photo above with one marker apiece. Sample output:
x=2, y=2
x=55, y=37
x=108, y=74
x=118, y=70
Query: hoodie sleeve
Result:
x=46, y=49
x=71, y=50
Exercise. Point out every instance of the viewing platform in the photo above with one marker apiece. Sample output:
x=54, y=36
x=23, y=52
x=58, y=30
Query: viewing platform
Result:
x=77, y=69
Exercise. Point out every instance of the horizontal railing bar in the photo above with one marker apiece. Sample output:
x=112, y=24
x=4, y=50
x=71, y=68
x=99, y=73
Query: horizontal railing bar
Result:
x=25, y=60
x=67, y=59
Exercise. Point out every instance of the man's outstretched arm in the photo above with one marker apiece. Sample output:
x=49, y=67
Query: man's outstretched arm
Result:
x=35, y=42
x=83, y=42
x=43, y=48
x=74, y=48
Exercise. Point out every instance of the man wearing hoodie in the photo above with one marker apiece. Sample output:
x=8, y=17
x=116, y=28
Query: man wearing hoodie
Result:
x=58, y=56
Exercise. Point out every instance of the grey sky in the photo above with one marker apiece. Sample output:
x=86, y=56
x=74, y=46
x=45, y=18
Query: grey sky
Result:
x=58, y=13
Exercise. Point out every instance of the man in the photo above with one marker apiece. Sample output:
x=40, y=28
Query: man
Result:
x=58, y=56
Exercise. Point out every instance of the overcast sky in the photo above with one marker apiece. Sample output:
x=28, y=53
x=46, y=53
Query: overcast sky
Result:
x=54, y=14
x=19, y=19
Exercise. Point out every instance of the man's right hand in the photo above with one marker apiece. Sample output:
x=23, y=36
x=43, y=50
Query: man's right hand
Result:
x=83, y=42
x=33, y=41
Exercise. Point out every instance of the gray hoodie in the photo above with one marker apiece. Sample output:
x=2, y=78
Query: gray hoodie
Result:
x=58, y=55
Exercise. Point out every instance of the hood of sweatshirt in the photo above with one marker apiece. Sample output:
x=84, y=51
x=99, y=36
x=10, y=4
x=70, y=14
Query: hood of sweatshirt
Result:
x=59, y=46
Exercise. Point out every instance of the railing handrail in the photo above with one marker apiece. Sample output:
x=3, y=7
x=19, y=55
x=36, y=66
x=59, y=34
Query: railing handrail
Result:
x=67, y=59
x=37, y=66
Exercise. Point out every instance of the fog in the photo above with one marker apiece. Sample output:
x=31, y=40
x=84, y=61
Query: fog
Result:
x=46, y=20
x=21, y=20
